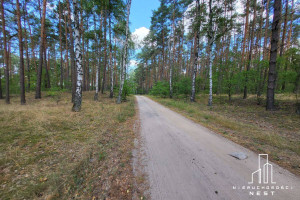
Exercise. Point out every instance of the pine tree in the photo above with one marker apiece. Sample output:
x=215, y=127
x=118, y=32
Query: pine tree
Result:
x=273, y=55
x=21, y=67
x=6, y=54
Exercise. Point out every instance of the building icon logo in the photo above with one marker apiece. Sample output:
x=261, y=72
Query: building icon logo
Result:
x=264, y=174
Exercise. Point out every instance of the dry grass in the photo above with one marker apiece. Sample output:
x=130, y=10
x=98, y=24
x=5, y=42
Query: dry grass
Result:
x=49, y=152
x=243, y=121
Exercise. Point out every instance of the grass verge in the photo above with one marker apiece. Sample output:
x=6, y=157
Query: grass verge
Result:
x=276, y=133
x=49, y=152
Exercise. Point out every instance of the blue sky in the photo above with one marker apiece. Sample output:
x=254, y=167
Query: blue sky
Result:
x=140, y=21
x=141, y=12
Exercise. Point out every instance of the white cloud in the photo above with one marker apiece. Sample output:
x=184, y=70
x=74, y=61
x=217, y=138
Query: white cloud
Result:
x=133, y=63
x=139, y=34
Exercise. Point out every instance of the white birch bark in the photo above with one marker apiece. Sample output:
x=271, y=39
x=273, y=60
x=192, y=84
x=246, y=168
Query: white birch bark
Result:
x=78, y=92
x=210, y=36
x=97, y=88
x=210, y=75
x=171, y=68
x=196, y=51
x=123, y=67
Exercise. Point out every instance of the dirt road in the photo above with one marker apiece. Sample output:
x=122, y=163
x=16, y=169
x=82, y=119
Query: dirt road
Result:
x=187, y=161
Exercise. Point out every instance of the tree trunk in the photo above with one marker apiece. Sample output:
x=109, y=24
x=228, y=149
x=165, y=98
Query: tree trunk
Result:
x=96, y=60
x=284, y=28
x=265, y=50
x=21, y=67
x=173, y=54
x=40, y=68
x=246, y=30
x=73, y=67
x=78, y=94
x=258, y=50
x=210, y=38
x=105, y=55
x=250, y=51
x=67, y=50
x=273, y=55
x=83, y=47
x=3, y=64
x=123, y=66
x=88, y=67
x=61, y=51
x=111, y=95
x=283, y=39
x=27, y=50
x=291, y=26
x=194, y=73
x=1, y=95
x=47, y=76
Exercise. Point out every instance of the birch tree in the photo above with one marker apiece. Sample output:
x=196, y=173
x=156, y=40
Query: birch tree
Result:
x=210, y=41
x=78, y=92
x=123, y=66
x=173, y=50
x=196, y=50
x=218, y=25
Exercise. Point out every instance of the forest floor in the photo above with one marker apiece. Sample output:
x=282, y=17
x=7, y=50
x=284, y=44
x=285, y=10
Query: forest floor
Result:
x=276, y=133
x=50, y=152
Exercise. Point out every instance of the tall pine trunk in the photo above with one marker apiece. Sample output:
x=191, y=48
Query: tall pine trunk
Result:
x=283, y=39
x=40, y=67
x=60, y=48
x=78, y=93
x=111, y=95
x=291, y=26
x=123, y=66
x=96, y=60
x=105, y=55
x=250, y=51
x=21, y=67
x=27, y=50
x=6, y=55
x=67, y=50
x=245, y=30
x=273, y=55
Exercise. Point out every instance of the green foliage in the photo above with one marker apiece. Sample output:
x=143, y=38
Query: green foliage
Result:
x=161, y=88
x=183, y=86
x=125, y=91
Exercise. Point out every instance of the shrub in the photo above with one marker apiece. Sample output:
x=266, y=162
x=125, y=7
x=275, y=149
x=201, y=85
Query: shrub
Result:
x=183, y=86
x=161, y=88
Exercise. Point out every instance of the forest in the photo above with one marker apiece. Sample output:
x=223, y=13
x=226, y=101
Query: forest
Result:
x=208, y=47
x=64, y=46
x=71, y=95
x=192, y=47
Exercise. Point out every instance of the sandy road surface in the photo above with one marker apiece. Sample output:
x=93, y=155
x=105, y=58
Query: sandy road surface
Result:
x=187, y=161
